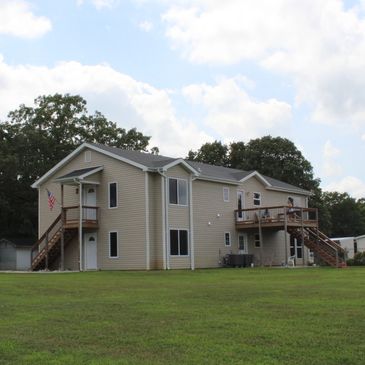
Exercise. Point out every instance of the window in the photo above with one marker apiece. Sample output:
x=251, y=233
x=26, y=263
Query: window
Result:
x=256, y=198
x=113, y=244
x=178, y=242
x=227, y=239
x=226, y=194
x=257, y=240
x=87, y=156
x=241, y=242
x=355, y=246
x=113, y=195
x=178, y=191
x=296, y=247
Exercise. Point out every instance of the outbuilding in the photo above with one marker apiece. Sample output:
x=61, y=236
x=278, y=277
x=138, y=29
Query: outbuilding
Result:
x=15, y=253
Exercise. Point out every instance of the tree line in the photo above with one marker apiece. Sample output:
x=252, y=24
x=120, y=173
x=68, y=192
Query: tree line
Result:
x=34, y=138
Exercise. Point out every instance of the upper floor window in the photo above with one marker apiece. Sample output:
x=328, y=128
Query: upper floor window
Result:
x=256, y=198
x=113, y=195
x=178, y=191
x=226, y=194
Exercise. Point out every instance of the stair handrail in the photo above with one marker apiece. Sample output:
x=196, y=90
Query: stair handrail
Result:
x=44, y=235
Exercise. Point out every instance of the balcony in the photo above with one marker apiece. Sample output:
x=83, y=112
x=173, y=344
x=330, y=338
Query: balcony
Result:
x=90, y=216
x=276, y=218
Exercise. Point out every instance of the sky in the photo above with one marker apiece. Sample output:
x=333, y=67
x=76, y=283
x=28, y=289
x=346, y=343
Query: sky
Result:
x=186, y=72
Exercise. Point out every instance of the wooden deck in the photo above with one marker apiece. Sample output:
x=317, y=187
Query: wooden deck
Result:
x=89, y=217
x=276, y=218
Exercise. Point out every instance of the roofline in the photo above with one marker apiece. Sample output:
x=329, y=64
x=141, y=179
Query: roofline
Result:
x=285, y=190
x=74, y=153
x=81, y=177
x=258, y=175
x=184, y=163
x=218, y=180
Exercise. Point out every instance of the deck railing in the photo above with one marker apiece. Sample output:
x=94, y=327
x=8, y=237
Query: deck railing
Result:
x=71, y=215
x=275, y=215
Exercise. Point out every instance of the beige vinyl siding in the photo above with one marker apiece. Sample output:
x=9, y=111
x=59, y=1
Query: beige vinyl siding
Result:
x=209, y=207
x=128, y=219
x=71, y=257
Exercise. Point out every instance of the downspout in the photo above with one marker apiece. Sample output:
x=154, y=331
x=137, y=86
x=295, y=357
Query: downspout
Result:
x=80, y=225
x=147, y=217
x=191, y=224
x=165, y=213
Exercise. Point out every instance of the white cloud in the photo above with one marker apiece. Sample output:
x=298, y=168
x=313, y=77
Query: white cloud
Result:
x=233, y=114
x=363, y=137
x=17, y=19
x=124, y=100
x=146, y=26
x=349, y=184
x=330, y=165
x=320, y=44
x=100, y=4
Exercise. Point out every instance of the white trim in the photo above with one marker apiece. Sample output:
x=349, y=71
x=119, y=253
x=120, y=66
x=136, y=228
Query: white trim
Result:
x=117, y=191
x=191, y=225
x=229, y=238
x=179, y=229
x=163, y=208
x=177, y=187
x=80, y=225
x=218, y=180
x=253, y=198
x=182, y=162
x=292, y=191
x=113, y=257
x=147, y=217
x=258, y=175
x=226, y=188
x=167, y=222
x=256, y=240
x=87, y=156
x=39, y=212
x=76, y=152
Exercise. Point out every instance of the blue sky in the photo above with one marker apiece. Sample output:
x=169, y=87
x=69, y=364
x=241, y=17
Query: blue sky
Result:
x=187, y=72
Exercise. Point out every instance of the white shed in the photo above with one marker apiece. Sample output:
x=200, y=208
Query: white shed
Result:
x=15, y=253
x=348, y=243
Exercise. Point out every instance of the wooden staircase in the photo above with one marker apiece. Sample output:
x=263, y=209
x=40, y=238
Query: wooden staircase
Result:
x=328, y=250
x=48, y=248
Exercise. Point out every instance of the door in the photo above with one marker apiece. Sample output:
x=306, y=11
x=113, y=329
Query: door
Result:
x=296, y=247
x=242, y=244
x=89, y=200
x=240, y=204
x=90, y=243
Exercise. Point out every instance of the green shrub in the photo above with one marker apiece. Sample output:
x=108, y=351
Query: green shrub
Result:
x=358, y=260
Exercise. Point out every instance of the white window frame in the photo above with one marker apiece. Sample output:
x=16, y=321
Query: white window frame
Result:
x=116, y=192
x=256, y=239
x=178, y=244
x=259, y=199
x=113, y=257
x=226, y=194
x=178, y=199
x=229, y=239
x=87, y=156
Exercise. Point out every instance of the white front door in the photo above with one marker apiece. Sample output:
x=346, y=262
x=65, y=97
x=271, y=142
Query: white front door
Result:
x=89, y=200
x=90, y=244
x=240, y=204
x=242, y=244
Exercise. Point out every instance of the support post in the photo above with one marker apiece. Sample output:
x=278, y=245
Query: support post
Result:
x=260, y=238
x=62, y=232
x=286, y=234
x=80, y=226
x=191, y=224
x=302, y=234
x=47, y=250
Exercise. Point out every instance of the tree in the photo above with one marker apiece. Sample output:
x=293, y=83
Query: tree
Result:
x=212, y=153
x=34, y=139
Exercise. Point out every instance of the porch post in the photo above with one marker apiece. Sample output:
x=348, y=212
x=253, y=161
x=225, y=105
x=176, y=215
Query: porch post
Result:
x=260, y=237
x=47, y=250
x=302, y=234
x=80, y=225
x=286, y=235
x=62, y=232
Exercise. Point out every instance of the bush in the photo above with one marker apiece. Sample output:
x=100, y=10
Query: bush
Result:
x=358, y=260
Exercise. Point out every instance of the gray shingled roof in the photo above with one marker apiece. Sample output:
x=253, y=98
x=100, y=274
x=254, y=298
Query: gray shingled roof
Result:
x=77, y=173
x=206, y=171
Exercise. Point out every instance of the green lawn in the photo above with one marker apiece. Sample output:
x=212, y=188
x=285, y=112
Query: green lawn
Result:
x=226, y=316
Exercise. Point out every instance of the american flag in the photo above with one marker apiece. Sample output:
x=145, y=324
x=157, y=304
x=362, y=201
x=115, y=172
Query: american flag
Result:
x=51, y=200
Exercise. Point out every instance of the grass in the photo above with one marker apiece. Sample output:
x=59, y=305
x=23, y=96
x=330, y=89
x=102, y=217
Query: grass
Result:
x=227, y=316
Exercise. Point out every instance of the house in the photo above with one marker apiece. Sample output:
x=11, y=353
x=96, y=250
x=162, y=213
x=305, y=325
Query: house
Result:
x=128, y=210
x=15, y=253
x=352, y=245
